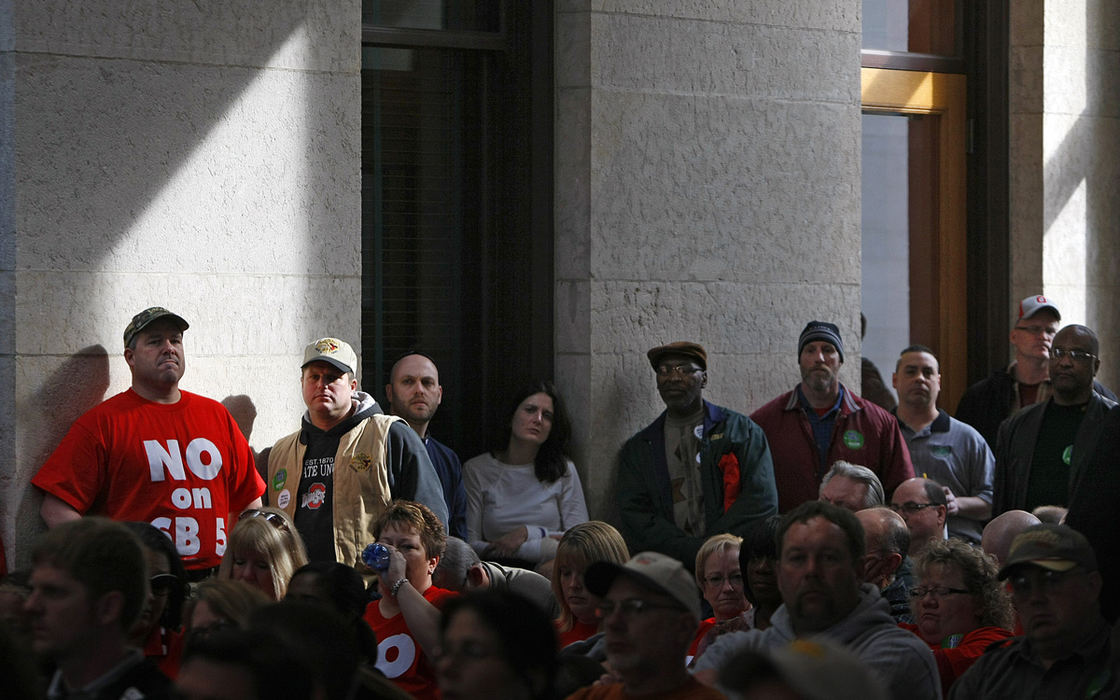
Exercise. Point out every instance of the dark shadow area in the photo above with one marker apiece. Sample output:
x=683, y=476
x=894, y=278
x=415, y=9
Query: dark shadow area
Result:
x=76, y=386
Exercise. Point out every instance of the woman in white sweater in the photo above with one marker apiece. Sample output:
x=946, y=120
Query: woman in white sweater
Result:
x=521, y=499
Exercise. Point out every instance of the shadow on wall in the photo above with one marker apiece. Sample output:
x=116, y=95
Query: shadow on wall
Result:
x=76, y=386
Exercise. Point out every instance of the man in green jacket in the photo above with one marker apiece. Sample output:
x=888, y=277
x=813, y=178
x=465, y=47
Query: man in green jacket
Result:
x=698, y=470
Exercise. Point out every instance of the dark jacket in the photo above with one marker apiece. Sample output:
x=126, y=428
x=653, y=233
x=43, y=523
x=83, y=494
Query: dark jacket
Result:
x=989, y=402
x=643, y=490
x=1092, y=510
x=1015, y=451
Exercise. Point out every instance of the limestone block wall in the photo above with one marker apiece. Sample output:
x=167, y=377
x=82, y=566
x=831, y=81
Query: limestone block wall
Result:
x=204, y=157
x=1065, y=104
x=707, y=188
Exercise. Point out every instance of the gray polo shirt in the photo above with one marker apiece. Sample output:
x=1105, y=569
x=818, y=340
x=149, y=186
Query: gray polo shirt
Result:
x=953, y=454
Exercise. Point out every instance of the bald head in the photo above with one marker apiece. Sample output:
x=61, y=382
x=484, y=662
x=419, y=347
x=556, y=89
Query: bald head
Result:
x=888, y=539
x=998, y=534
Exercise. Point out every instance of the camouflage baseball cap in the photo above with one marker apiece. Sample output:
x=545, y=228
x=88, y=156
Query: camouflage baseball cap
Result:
x=333, y=351
x=145, y=317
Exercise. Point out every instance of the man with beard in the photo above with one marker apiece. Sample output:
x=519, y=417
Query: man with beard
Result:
x=338, y=472
x=820, y=575
x=1043, y=452
x=942, y=448
x=698, y=470
x=821, y=421
x=414, y=393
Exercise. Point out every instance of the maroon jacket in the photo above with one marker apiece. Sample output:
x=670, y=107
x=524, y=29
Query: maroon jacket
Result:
x=863, y=434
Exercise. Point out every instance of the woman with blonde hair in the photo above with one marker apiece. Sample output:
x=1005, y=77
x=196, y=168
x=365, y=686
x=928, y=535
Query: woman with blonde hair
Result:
x=264, y=550
x=580, y=547
x=721, y=582
x=959, y=605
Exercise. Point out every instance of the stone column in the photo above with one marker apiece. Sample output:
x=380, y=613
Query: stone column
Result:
x=707, y=188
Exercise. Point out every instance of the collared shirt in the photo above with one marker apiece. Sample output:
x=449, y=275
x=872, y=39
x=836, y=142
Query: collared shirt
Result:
x=1015, y=671
x=953, y=454
x=822, y=425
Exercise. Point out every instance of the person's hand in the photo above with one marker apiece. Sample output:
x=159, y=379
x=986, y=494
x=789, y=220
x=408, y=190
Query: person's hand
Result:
x=951, y=505
x=398, y=567
x=507, y=545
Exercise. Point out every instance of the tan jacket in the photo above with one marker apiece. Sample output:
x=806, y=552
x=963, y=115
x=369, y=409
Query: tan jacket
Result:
x=360, y=489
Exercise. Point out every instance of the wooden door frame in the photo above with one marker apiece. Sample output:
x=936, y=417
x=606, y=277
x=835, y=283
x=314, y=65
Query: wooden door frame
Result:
x=944, y=303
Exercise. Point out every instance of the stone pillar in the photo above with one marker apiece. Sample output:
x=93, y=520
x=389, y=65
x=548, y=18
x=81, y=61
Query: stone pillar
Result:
x=1065, y=100
x=707, y=188
x=203, y=157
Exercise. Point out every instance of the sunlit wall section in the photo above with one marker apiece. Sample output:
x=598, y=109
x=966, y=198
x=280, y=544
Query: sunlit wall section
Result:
x=199, y=156
x=1065, y=104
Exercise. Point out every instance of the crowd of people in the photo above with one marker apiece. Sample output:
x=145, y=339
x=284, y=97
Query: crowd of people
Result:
x=824, y=546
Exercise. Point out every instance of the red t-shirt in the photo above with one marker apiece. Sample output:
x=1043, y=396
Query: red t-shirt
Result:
x=579, y=632
x=182, y=467
x=399, y=656
x=953, y=662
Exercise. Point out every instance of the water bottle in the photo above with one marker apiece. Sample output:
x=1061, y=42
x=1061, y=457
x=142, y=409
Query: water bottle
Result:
x=376, y=556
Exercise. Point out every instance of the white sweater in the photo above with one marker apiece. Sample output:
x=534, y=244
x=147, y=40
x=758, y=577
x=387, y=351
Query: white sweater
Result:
x=501, y=496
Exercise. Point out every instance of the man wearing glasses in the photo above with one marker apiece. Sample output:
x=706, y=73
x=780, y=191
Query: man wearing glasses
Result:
x=1043, y=451
x=650, y=608
x=1064, y=650
x=922, y=504
x=821, y=421
x=698, y=470
x=987, y=403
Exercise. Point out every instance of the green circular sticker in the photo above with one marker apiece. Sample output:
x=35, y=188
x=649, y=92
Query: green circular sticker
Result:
x=1067, y=455
x=853, y=439
x=279, y=479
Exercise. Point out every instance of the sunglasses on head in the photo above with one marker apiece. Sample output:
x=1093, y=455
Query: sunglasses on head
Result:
x=275, y=519
x=162, y=584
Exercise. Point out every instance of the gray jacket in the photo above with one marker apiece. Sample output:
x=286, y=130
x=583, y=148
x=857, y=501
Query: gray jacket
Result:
x=900, y=658
x=1015, y=451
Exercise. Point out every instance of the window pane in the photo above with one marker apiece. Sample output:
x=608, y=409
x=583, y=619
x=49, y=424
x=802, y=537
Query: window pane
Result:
x=454, y=15
x=421, y=195
x=917, y=26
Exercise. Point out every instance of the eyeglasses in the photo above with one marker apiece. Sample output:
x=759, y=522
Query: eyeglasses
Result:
x=665, y=371
x=1075, y=355
x=162, y=584
x=911, y=507
x=631, y=607
x=275, y=519
x=1046, y=580
x=1038, y=330
x=717, y=580
x=937, y=591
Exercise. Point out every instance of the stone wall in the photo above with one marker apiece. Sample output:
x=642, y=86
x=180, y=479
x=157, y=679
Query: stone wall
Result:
x=707, y=188
x=203, y=157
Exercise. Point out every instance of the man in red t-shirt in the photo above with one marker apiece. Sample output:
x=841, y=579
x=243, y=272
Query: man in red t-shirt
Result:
x=155, y=453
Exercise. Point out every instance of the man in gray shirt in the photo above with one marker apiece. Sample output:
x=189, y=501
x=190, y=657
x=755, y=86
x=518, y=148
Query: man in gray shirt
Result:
x=942, y=448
